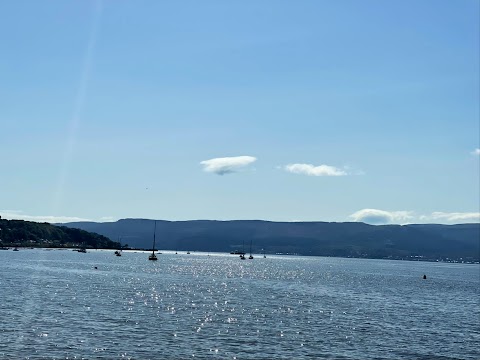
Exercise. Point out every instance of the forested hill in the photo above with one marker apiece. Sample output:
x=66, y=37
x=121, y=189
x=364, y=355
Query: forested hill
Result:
x=33, y=234
x=428, y=241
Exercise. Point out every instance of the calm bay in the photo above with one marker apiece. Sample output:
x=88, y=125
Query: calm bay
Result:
x=54, y=304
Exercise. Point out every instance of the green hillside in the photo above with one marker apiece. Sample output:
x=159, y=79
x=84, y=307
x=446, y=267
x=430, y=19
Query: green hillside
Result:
x=32, y=234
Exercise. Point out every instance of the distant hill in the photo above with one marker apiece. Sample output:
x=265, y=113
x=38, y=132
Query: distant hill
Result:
x=33, y=234
x=351, y=239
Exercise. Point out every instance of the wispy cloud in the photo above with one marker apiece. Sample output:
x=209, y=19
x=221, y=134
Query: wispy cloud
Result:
x=107, y=219
x=19, y=215
x=476, y=152
x=452, y=217
x=378, y=217
x=227, y=165
x=312, y=170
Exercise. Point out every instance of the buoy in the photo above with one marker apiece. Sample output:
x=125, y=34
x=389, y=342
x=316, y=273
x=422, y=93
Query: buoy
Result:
x=96, y=268
x=424, y=277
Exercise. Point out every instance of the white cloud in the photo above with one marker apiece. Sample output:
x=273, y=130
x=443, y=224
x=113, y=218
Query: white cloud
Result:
x=476, y=152
x=107, y=219
x=377, y=217
x=227, y=165
x=19, y=215
x=311, y=170
x=454, y=217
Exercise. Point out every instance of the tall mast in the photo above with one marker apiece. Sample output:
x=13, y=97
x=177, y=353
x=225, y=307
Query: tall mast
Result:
x=154, y=231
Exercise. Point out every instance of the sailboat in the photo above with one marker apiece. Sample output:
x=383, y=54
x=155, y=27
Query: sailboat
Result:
x=250, y=257
x=83, y=249
x=119, y=252
x=153, y=256
x=242, y=254
x=264, y=256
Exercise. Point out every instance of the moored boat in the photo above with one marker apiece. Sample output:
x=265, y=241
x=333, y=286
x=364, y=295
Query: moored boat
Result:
x=152, y=256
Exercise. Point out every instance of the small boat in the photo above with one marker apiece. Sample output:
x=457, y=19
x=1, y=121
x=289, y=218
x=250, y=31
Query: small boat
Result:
x=83, y=249
x=152, y=256
x=242, y=253
x=188, y=252
x=119, y=251
x=251, y=256
x=16, y=249
x=264, y=256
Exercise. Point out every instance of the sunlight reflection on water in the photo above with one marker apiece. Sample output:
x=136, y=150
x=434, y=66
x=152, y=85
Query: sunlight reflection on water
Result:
x=54, y=304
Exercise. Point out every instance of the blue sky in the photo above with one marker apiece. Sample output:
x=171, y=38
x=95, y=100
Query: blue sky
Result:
x=277, y=110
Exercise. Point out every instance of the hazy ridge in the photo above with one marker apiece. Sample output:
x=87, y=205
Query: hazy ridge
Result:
x=353, y=239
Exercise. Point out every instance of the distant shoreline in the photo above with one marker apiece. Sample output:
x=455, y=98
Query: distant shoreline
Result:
x=167, y=251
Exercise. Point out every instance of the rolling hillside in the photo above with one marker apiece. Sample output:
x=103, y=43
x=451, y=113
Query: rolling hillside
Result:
x=305, y=238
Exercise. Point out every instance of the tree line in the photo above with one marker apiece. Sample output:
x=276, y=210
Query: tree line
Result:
x=33, y=234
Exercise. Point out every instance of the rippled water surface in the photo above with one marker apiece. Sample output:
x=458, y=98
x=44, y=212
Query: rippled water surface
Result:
x=55, y=304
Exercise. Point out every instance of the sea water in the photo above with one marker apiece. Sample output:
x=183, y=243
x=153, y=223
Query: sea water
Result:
x=54, y=304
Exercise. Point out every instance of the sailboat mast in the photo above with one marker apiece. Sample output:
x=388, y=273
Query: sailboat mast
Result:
x=154, y=231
